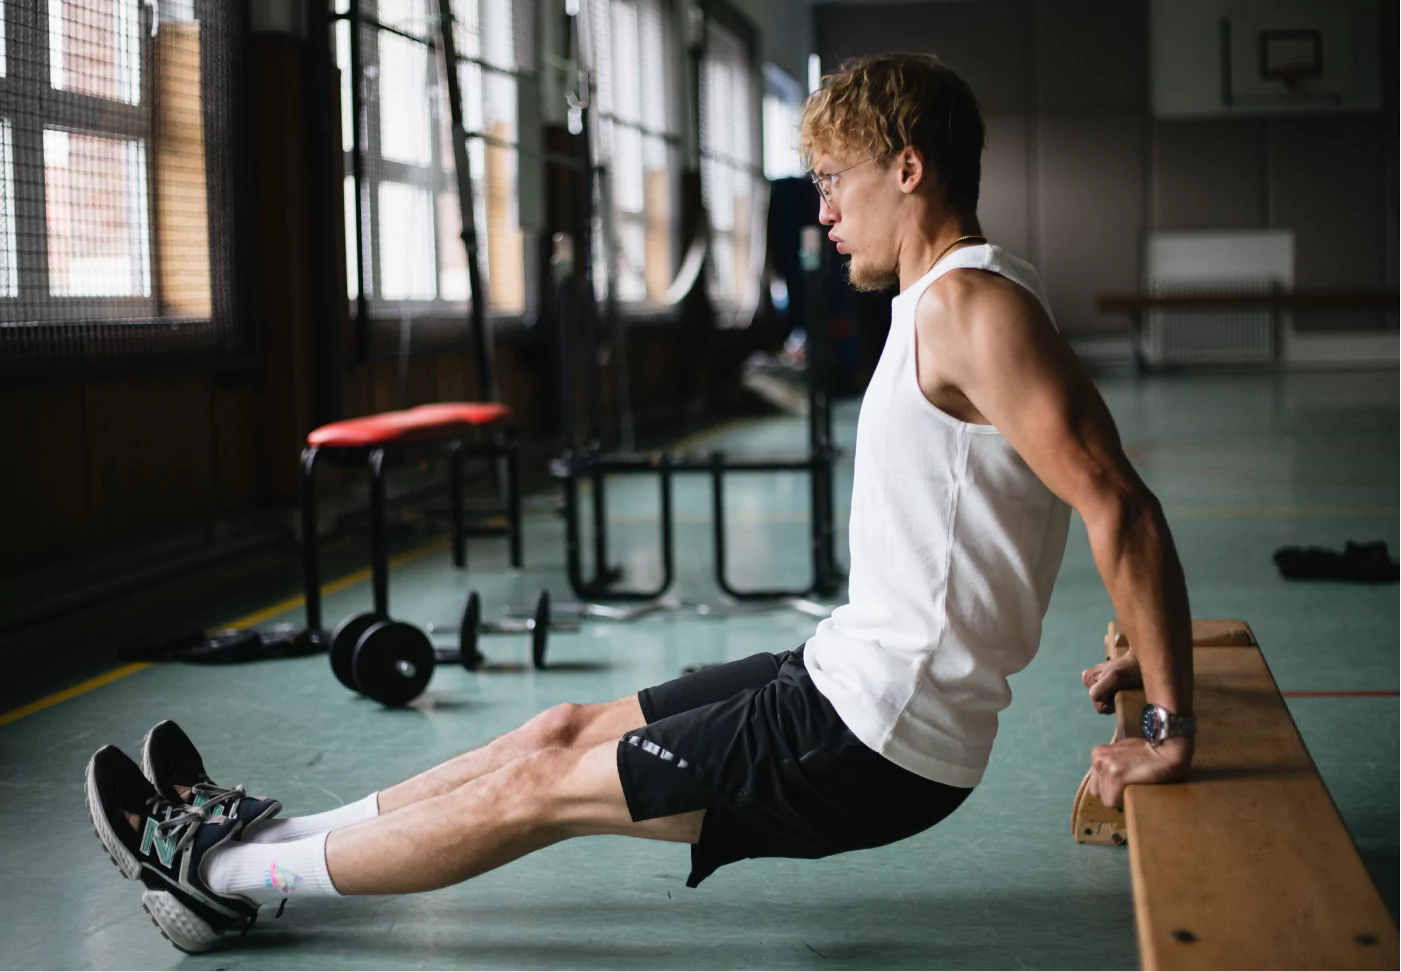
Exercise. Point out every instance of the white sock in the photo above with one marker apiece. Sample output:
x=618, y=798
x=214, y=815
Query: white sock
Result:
x=266, y=873
x=295, y=828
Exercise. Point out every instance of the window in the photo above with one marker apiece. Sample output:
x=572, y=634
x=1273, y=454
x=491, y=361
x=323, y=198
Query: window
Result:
x=783, y=111
x=638, y=144
x=731, y=180
x=109, y=110
x=414, y=261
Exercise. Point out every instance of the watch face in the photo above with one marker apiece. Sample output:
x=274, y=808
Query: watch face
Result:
x=1152, y=723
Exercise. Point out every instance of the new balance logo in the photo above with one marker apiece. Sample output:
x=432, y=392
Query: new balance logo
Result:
x=164, y=846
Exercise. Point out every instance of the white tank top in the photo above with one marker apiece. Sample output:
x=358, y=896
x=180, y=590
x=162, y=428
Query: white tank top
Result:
x=955, y=546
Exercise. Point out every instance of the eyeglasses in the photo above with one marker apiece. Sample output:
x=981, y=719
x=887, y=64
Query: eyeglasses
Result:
x=826, y=183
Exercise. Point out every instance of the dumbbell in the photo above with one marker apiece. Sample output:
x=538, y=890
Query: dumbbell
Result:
x=392, y=661
x=473, y=627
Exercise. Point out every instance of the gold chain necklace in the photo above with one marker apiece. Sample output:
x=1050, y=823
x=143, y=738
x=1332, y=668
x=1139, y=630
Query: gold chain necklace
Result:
x=961, y=239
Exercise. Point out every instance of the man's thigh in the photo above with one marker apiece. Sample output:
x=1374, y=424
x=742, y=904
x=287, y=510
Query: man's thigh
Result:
x=590, y=801
x=606, y=721
x=708, y=686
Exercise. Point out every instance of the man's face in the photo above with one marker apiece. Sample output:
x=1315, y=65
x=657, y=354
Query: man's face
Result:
x=859, y=200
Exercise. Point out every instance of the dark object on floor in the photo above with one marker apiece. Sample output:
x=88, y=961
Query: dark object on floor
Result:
x=1366, y=563
x=227, y=645
x=391, y=661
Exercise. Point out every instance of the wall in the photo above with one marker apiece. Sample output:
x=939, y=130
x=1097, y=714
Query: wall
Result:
x=1077, y=167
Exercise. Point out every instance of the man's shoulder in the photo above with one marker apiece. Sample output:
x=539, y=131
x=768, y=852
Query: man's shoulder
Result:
x=969, y=301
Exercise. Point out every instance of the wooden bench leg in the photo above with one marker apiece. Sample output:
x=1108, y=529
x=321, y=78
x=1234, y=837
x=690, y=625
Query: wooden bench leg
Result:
x=1091, y=822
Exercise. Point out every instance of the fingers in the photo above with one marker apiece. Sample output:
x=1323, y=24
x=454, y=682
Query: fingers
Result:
x=1106, y=776
x=1102, y=683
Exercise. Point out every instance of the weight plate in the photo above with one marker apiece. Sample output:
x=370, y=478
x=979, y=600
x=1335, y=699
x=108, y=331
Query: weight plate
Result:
x=221, y=647
x=393, y=662
x=471, y=658
x=343, y=641
x=290, y=641
x=540, y=636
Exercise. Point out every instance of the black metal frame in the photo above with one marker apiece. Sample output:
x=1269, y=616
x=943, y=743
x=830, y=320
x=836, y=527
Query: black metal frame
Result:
x=374, y=460
x=594, y=464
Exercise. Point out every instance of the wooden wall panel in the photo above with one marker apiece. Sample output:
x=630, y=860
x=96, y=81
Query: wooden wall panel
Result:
x=43, y=494
x=150, y=462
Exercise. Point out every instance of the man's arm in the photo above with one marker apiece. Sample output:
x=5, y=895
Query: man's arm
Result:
x=1001, y=351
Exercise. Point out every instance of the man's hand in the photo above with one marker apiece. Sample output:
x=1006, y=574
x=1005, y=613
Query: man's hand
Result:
x=1115, y=766
x=1108, y=677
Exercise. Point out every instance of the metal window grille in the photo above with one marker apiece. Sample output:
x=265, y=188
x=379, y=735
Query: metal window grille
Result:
x=117, y=165
x=638, y=145
x=407, y=262
x=732, y=176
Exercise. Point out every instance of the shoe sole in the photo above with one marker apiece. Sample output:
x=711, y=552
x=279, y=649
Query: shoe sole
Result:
x=179, y=925
x=117, y=852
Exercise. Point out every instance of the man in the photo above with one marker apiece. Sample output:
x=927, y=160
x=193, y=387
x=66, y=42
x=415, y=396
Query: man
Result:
x=979, y=431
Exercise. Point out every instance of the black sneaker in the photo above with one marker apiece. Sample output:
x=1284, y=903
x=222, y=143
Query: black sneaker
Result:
x=163, y=847
x=175, y=768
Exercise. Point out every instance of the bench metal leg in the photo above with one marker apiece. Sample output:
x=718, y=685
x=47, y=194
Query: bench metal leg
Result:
x=513, y=488
x=311, y=544
x=459, y=534
x=379, y=557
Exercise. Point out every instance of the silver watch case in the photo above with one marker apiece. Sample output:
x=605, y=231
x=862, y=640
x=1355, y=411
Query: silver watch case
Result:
x=1160, y=724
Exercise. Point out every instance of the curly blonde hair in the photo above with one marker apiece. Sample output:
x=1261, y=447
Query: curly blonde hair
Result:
x=879, y=105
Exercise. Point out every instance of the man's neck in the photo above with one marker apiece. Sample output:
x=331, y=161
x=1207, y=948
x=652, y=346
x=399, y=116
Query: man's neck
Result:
x=918, y=258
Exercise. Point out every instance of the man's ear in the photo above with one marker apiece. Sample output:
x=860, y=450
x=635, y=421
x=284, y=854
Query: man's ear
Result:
x=913, y=171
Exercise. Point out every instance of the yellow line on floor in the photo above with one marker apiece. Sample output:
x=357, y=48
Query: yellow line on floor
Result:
x=257, y=617
x=334, y=587
x=76, y=690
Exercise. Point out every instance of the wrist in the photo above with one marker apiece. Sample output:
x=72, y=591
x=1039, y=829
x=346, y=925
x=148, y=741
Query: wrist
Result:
x=1177, y=751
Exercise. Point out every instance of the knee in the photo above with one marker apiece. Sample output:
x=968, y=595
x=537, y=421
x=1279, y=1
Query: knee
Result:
x=557, y=727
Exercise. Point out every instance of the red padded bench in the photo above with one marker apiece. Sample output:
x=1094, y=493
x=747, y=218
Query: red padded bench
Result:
x=465, y=428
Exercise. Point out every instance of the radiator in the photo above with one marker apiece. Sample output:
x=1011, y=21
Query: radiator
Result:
x=1210, y=335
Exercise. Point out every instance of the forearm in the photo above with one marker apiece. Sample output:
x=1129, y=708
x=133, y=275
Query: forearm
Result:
x=1135, y=554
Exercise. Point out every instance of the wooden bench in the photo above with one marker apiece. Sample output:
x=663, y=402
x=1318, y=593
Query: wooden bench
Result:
x=1247, y=864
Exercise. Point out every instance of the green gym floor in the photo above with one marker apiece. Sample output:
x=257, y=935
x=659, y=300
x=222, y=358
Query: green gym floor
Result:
x=1243, y=463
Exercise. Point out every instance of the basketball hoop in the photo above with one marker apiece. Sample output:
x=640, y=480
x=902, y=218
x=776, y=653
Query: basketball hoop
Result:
x=1294, y=79
x=1291, y=57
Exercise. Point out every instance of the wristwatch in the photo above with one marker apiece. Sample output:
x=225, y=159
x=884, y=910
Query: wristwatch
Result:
x=1160, y=724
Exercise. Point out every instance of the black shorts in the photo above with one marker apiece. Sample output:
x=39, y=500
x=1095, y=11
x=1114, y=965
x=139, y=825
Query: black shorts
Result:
x=757, y=746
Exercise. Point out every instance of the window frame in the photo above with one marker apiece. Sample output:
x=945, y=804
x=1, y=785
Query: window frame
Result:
x=673, y=142
x=439, y=323
x=46, y=338
x=731, y=19
x=71, y=112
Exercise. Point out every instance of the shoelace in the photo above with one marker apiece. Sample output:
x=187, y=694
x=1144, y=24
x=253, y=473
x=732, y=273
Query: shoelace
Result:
x=190, y=817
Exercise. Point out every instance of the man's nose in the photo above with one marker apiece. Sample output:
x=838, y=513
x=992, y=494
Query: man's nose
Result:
x=825, y=214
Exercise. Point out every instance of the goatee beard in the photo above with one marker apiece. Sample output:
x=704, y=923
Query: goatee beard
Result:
x=867, y=279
